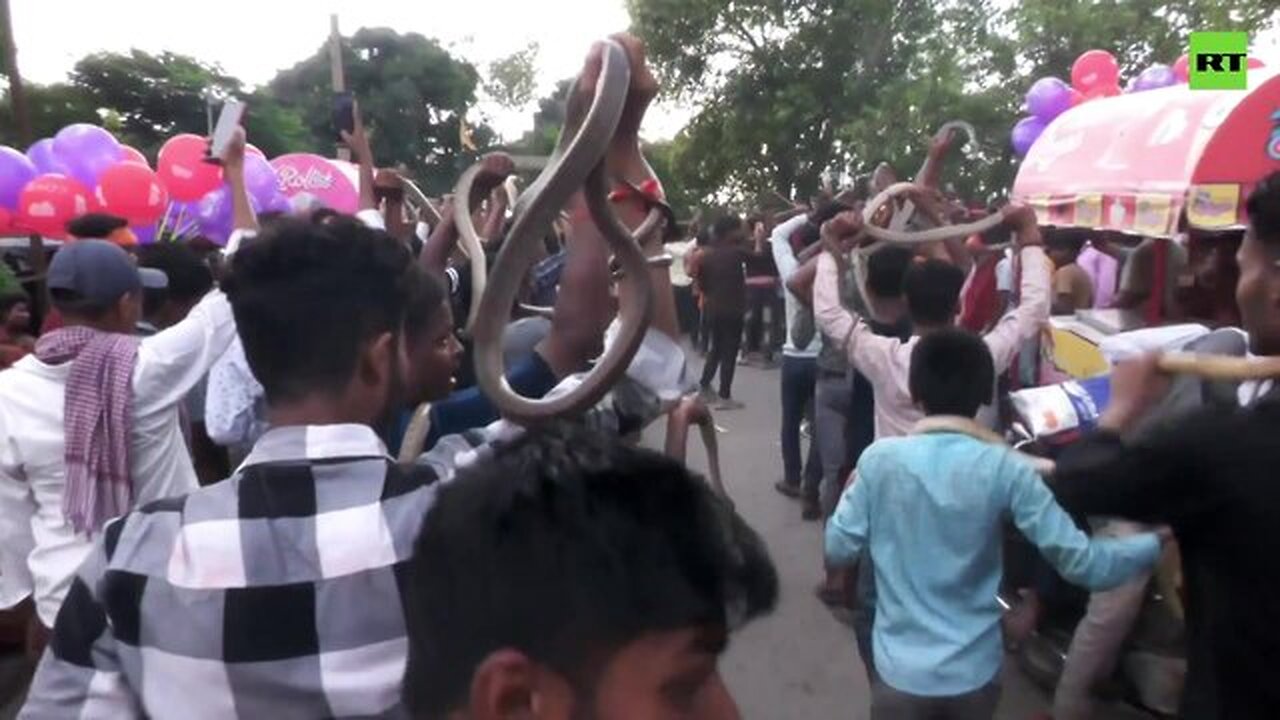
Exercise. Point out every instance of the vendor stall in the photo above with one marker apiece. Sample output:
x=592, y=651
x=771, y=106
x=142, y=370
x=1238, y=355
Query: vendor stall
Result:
x=1150, y=164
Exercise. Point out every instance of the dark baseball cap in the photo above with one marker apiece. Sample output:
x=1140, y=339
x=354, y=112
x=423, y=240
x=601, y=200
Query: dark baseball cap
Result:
x=99, y=272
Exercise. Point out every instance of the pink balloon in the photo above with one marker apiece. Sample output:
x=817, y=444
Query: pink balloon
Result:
x=1182, y=68
x=49, y=202
x=1077, y=97
x=182, y=167
x=133, y=155
x=133, y=192
x=1095, y=68
x=251, y=149
x=1255, y=63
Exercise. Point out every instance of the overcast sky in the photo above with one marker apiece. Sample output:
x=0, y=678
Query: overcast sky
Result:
x=253, y=39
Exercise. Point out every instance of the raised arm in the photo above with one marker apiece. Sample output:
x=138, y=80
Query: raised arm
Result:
x=243, y=217
x=801, y=282
x=1032, y=312
x=358, y=141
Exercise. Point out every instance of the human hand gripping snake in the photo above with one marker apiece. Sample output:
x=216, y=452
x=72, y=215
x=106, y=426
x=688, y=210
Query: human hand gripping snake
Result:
x=577, y=163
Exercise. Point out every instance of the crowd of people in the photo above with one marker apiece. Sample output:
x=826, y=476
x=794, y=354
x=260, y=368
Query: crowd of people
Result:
x=210, y=505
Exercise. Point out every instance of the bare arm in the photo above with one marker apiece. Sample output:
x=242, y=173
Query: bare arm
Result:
x=358, y=141
x=801, y=282
x=243, y=217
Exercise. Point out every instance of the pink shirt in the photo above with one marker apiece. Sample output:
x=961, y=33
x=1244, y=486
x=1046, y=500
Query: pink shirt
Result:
x=886, y=362
x=1102, y=269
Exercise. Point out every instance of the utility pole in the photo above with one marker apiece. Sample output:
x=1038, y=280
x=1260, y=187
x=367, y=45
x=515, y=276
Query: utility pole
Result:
x=335, y=72
x=21, y=117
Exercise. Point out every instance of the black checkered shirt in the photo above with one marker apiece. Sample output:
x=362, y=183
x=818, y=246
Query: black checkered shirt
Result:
x=274, y=594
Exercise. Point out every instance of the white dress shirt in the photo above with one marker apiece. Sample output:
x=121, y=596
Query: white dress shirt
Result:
x=785, y=258
x=886, y=362
x=39, y=550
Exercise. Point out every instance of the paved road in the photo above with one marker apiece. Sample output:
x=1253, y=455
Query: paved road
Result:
x=800, y=663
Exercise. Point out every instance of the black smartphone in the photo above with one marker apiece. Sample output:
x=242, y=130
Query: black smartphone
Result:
x=344, y=116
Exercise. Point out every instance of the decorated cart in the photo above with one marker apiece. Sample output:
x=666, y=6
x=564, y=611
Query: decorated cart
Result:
x=1153, y=164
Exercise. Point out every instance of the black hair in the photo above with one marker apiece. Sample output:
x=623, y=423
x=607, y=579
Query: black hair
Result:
x=306, y=297
x=566, y=546
x=95, y=225
x=887, y=269
x=1263, y=209
x=427, y=294
x=189, y=277
x=932, y=288
x=812, y=230
x=724, y=225
x=952, y=373
x=70, y=302
x=1067, y=238
x=322, y=215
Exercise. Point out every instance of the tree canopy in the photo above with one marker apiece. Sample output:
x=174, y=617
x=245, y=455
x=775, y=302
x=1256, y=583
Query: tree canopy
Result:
x=790, y=89
x=412, y=90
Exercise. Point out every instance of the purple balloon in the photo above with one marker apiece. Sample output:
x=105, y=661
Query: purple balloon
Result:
x=277, y=203
x=1048, y=98
x=45, y=159
x=1025, y=134
x=1154, y=77
x=86, y=150
x=146, y=234
x=260, y=179
x=215, y=214
x=16, y=170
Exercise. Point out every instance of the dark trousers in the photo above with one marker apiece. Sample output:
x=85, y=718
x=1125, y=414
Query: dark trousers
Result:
x=687, y=312
x=762, y=300
x=799, y=378
x=890, y=704
x=726, y=337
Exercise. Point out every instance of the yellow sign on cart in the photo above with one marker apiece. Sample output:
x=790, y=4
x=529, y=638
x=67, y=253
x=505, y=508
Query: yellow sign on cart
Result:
x=1213, y=206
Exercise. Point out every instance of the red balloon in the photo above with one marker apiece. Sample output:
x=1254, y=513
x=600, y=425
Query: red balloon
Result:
x=1102, y=91
x=133, y=192
x=1095, y=68
x=1182, y=68
x=182, y=168
x=6, y=222
x=1077, y=97
x=49, y=202
x=132, y=154
x=1255, y=63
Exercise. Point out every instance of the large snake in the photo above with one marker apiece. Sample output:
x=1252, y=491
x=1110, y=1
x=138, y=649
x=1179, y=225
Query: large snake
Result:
x=577, y=163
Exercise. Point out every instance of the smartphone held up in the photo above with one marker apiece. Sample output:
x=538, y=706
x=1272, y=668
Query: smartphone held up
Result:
x=228, y=120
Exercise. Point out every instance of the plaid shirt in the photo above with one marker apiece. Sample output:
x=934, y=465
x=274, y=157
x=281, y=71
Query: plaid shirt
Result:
x=273, y=594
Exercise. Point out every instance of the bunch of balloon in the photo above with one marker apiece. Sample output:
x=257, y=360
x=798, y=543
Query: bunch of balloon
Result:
x=1094, y=74
x=82, y=169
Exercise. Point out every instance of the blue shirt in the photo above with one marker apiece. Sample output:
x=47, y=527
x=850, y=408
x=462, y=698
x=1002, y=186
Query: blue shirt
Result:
x=929, y=509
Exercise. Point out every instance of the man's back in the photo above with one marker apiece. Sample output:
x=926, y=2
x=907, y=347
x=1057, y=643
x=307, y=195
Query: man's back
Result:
x=929, y=508
x=723, y=280
x=276, y=592
x=1212, y=478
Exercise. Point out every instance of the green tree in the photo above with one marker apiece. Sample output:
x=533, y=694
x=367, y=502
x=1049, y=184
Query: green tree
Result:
x=512, y=80
x=52, y=107
x=789, y=89
x=145, y=99
x=411, y=91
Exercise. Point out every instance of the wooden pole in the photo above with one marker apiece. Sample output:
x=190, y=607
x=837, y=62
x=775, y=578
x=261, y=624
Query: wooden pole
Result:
x=336, y=74
x=21, y=117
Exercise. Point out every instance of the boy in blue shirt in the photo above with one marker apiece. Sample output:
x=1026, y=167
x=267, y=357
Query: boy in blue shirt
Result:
x=929, y=508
